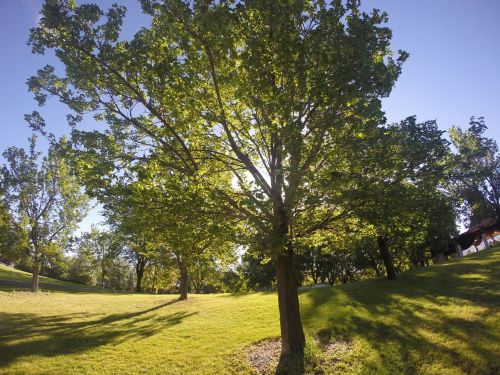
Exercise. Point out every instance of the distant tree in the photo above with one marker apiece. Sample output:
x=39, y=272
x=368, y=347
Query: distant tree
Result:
x=367, y=253
x=140, y=252
x=81, y=266
x=432, y=226
x=258, y=272
x=209, y=267
x=103, y=247
x=12, y=238
x=45, y=200
x=232, y=282
x=311, y=262
x=335, y=255
x=160, y=276
x=476, y=172
x=175, y=218
x=5, y=233
x=122, y=276
x=402, y=174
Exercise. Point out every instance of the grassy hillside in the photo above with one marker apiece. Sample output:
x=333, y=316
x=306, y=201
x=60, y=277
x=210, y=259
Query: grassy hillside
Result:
x=439, y=320
x=12, y=279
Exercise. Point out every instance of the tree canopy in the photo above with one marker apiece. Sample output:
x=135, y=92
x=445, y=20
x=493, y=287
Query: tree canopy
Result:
x=270, y=97
x=45, y=199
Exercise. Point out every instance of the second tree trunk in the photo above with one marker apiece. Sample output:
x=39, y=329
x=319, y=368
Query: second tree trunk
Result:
x=183, y=283
x=386, y=258
x=36, y=277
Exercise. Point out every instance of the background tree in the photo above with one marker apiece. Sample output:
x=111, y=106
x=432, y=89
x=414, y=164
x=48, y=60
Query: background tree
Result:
x=138, y=243
x=81, y=268
x=433, y=224
x=476, y=172
x=393, y=182
x=103, y=247
x=12, y=238
x=175, y=220
x=258, y=272
x=45, y=200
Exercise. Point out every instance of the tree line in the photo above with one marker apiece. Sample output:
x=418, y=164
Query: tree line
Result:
x=250, y=156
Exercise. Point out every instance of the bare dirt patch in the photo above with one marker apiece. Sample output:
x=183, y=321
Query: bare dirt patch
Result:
x=264, y=355
x=330, y=355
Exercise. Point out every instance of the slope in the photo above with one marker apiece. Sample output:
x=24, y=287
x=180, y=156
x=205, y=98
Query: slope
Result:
x=12, y=279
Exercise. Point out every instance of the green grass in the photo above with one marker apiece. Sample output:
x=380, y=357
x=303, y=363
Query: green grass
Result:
x=12, y=280
x=439, y=320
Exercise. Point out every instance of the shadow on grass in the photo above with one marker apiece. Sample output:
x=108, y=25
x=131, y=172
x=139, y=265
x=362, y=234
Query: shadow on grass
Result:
x=29, y=334
x=411, y=322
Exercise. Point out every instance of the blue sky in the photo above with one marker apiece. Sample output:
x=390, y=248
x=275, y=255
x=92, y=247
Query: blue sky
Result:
x=452, y=73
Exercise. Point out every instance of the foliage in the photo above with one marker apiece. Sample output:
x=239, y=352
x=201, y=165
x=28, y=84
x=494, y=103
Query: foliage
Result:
x=45, y=200
x=269, y=99
x=81, y=268
x=476, y=172
x=11, y=238
x=393, y=186
x=258, y=272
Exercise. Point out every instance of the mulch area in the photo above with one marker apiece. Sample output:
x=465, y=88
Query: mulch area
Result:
x=264, y=356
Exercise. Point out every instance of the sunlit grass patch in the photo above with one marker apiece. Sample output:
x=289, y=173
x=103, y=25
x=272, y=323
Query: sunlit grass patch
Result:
x=439, y=320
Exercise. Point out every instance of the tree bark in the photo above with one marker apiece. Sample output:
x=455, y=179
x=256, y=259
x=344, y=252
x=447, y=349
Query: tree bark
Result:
x=386, y=257
x=292, y=333
x=183, y=283
x=153, y=281
x=331, y=279
x=103, y=275
x=36, y=277
x=139, y=269
x=421, y=257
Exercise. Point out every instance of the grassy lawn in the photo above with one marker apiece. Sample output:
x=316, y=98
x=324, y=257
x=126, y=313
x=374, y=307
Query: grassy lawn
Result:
x=439, y=320
x=12, y=280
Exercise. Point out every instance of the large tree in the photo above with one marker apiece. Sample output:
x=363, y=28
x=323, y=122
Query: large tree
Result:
x=45, y=199
x=265, y=97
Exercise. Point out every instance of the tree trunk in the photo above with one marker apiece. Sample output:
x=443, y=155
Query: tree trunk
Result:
x=386, y=258
x=441, y=258
x=292, y=333
x=102, y=279
x=421, y=257
x=140, y=274
x=36, y=277
x=331, y=279
x=153, y=281
x=314, y=275
x=374, y=265
x=344, y=277
x=184, y=283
